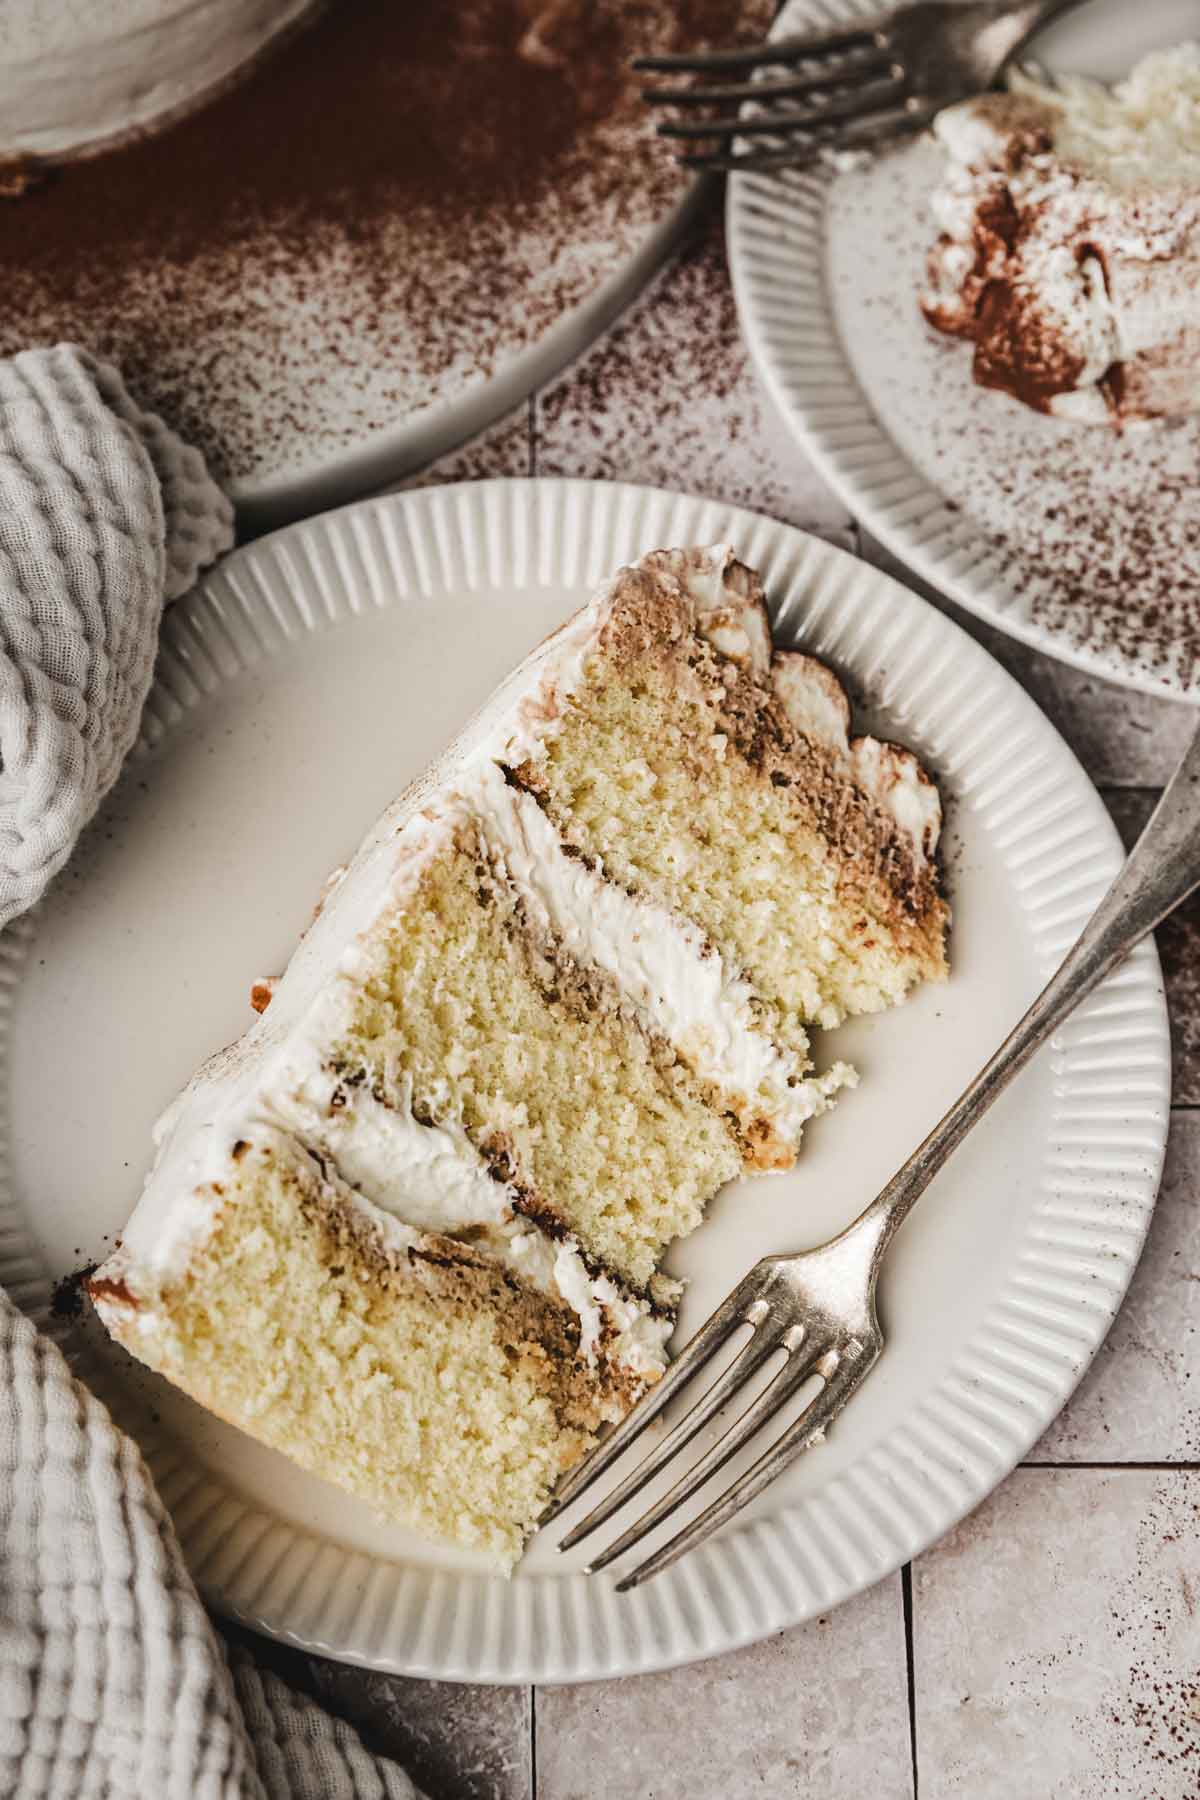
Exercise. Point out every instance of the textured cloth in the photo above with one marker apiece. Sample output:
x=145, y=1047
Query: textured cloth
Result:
x=104, y=514
x=113, y=1685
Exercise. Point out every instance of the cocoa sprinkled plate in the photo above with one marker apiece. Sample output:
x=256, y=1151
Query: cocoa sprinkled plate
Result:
x=298, y=689
x=398, y=225
x=1080, y=541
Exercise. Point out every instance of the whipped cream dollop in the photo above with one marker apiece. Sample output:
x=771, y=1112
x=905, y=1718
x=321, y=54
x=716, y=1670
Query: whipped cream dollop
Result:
x=1069, y=251
x=731, y=613
x=1144, y=132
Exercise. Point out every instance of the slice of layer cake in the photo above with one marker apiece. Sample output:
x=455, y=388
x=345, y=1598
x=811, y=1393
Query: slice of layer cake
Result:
x=1069, y=251
x=408, y=1230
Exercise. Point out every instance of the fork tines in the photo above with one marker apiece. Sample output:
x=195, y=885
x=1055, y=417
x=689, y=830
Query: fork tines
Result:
x=805, y=46
x=788, y=87
x=760, y=1302
x=805, y=152
x=846, y=92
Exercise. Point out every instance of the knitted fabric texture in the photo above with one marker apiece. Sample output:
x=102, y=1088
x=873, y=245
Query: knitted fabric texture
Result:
x=104, y=514
x=113, y=1685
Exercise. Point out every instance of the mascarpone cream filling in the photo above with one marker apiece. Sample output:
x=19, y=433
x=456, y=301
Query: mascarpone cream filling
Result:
x=729, y=611
x=675, y=982
x=430, y=1178
x=411, y=1179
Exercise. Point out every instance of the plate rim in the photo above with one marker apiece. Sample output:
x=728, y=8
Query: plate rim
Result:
x=729, y=1593
x=402, y=451
x=899, y=492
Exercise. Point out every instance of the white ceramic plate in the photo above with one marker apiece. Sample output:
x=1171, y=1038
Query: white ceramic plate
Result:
x=1081, y=542
x=536, y=345
x=315, y=358
x=298, y=690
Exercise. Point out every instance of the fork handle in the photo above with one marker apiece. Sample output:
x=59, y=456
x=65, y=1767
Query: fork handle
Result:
x=1161, y=870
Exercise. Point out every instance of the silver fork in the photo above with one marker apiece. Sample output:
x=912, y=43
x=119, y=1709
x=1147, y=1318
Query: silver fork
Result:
x=857, y=85
x=818, y=1308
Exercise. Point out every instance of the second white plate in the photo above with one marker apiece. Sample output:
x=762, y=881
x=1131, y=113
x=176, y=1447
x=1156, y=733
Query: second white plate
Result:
x=298, y=689
x=1082, y=542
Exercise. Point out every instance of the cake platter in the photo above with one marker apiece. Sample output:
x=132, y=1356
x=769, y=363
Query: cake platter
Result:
x=381, y=240
x=1076, y=539
x=298, y=689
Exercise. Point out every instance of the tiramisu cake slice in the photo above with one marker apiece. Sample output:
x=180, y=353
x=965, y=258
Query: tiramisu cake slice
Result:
x=1070, y=240
x=408, y=1229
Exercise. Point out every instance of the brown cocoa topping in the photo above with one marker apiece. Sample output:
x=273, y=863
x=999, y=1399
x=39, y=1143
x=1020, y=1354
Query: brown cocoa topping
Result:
x=66, y=1300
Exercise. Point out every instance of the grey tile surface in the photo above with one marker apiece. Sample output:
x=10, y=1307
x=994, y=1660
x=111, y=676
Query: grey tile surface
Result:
x=1057, y=1642
x=1179, y=947
x=669, y=397
x=1140, y=1400
x=819, y=1711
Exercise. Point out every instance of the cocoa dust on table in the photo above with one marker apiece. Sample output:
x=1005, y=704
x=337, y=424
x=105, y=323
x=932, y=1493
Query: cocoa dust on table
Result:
x=396, y=198
x=67, y=1296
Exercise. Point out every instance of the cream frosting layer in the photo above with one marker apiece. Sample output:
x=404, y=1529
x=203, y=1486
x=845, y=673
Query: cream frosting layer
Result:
x=75, y=74
x=1142, y=132
x=431, y=1179
x=1073, y=212
x=413, y=1181
x=633, y=1334
x=675, y=981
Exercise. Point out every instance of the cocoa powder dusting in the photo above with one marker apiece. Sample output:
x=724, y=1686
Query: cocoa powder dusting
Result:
x=1018, y=349
x=66, y=1299
x=1089, y=537
x=1015, y=352
x=391, y=204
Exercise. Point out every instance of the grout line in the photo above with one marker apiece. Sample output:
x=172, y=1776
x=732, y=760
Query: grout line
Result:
x=1113, y=784
x=531, y=418
x=1116, y=1468
x=906, y=1596
x=533, y=1781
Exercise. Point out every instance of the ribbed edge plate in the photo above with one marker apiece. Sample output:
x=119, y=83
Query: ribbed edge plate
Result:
x=1067, y=1170
x=1005, y=511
